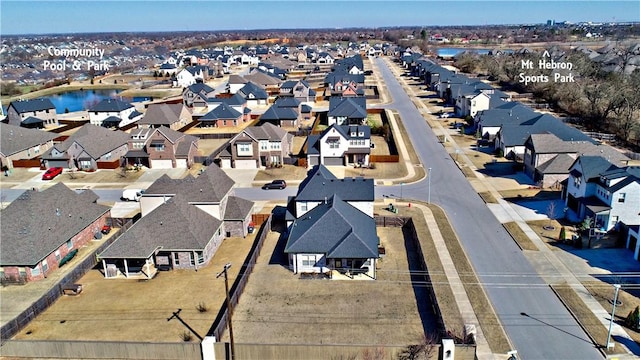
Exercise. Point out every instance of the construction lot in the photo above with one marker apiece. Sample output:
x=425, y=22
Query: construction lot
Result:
x=280, y=307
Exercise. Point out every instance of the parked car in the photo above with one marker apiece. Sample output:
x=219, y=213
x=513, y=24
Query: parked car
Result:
x=51, y=173
x=132, y=194
x=105, y=229
x=275, y=184
x=445, y=115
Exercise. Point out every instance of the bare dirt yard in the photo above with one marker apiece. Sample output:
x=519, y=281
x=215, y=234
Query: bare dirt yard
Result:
x=280, y=307
x=133, y=310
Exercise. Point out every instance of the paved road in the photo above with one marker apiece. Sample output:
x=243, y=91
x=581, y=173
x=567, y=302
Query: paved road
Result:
x=537, y=323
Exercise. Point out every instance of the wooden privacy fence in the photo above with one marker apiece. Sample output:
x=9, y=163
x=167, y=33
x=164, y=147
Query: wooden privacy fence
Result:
x=13, y=326
x=26, y=163
x=108, y=164
x=384, y=158
x=220, y=323
x=259, y=219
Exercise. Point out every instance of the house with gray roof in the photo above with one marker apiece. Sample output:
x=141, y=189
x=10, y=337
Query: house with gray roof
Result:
x=547, y=158
x=348, y=145
x=18, y=143
x=173, y=116
x=333, y=237
x=298, y=89
x=257, y=146
x=281, y=116
x=162, y=148
x=183, y=223
x=33, y=113
x=254, y=94
x=113, y=113
x=606, y=193
x=223, y=115
x=196, y=95
x=89, y=146
x=42, y=230
x=347, y=110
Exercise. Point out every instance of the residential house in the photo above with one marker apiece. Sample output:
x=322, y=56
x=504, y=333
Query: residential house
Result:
x=489, y=122
x=42, y=230
x=196, y=95
x=268, y=81
x=222, y=115
x=299, y=89
x=87, y=147
x=18, y=143
x=470, y=102
x=162, y=148
x=257, y=146
x=113, y=113
x=340, y=146
x=254, y=94
x=184, y=222
x=167, y=69
x=325, y=58
x=333, y=236
x=235, y=83
x=281, y=116
x=191, y=75
x=237, y=102
x=34, y=113
x=338, y=84
x=547, y=158
x=347, y=111
x=606, y=193
x=173, y=116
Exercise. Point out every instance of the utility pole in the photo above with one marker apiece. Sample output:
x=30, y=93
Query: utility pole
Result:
x=613, y=313
x=429, y=182
x=229, y=310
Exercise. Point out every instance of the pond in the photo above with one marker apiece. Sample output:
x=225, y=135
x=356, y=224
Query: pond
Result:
x=79, y=100
x=451, y=52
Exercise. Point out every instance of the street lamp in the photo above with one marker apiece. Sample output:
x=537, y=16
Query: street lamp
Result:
x=613, y=313
x=226, y=288
x=429, y=182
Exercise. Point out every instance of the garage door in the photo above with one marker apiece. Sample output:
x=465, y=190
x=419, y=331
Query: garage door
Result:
x=161, y=164
x=245, y=164
x=333, y=161
x=225, y=163
x=181, y=163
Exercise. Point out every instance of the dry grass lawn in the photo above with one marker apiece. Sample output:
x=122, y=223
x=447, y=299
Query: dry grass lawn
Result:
x=279, y=307
x=519, y=236
x=207, y=146
x=603, y=292
x=99, y=176
x=132, y=310
x=286, y=172
x=586, y=318
x=488, y=197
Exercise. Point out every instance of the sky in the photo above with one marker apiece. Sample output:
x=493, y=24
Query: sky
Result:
x=49, y=17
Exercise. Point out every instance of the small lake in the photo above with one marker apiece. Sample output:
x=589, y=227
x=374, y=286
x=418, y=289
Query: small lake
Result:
x=79, y=100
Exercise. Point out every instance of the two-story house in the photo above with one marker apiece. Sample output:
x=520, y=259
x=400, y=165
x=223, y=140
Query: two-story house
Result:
x=340, y=146
x=346, y=207
x=191, y=75
x=165, y=148
x=87, y=147
x=255, y=94
x=42, y=230
x=257, y=146
x=196, y=95
x=222, y=115
x=347, y=111
x=173, y=116
x=299, y=89
x=184, y=222
x=34, y=113
x=113, y=113
x=18, y=143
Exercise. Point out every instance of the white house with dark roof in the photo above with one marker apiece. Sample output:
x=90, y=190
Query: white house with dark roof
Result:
x=18, y=143
x=190, y=75
x=607, y=193
x=340, y=146
x=88, y=146
x=333, y=237
x=347, y=110
x=184, y=221
x=113, y=113
x=34, y=113
x=254, y=94
x=42, y=230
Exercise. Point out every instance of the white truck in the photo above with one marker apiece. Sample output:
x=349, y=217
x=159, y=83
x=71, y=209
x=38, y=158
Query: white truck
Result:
x=132, y=194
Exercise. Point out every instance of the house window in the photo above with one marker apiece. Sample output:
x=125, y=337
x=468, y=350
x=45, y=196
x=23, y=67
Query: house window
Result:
x=200, y=257
x=338, y=263
x=22, y=272
x=244, y=149
x=157, y=146
x=219, y=231
x=224, y=122
x=57, y=255
x=275, y=145
x=334, y=144
x=614, y=220
x=303, y=207
x=308, y=260
x=176, y=258
x=84, y=164
x=622, y=197
x=577, y=181
x=192, y=259
x=264, y=146
x=69, y=244
x=45, y=266
x=36, y=149
x=35, y=270
x=107, y=156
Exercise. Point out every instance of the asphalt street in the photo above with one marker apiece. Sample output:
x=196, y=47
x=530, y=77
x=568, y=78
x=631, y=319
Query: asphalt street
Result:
x=537, y=323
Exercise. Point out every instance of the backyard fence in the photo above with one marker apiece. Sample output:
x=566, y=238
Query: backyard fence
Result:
x=384, y=158
x=220, y=323
x=13, y=326
x=111, y=165
x=26, y=163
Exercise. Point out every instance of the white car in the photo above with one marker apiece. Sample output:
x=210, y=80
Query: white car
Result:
x=445, y=115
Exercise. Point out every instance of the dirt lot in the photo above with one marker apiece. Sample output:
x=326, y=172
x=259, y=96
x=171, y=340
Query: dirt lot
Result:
x=279, y=307
x=132, y=310
x=207, y=146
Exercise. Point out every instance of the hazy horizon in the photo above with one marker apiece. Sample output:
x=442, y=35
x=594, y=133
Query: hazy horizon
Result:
x=52, y=17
